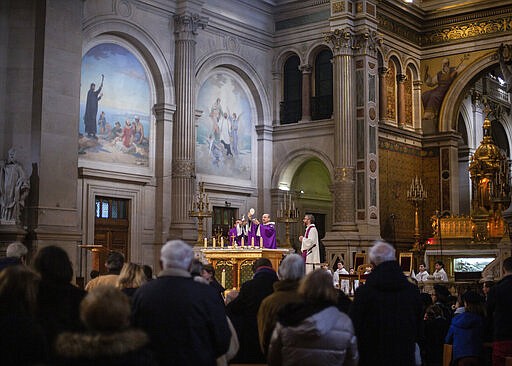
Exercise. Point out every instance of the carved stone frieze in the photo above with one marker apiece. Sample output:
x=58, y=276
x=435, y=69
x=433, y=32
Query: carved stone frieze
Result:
x=445, y=33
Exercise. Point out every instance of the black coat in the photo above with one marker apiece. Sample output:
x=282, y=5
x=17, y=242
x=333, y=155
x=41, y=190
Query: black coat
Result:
x=243, y=312
x=185, y=320
x=387, y=313
x=499, y=313
x=58, y=309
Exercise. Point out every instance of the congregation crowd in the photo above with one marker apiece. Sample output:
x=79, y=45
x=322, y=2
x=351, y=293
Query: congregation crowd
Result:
x=183, y=316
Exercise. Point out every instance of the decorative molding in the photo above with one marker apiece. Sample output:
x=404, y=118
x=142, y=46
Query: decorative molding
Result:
x=445, y=33
x=123, y=8
x=232, y=44
x=338, y=7
x=340, y=39
x=468, y=30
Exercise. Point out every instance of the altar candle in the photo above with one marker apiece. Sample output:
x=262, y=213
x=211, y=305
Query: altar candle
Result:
x=213, y=241
x=223, y=278
x=221, y=241
x=243, y=241
x=261, y=241
x=252, y=241
x=206, y=242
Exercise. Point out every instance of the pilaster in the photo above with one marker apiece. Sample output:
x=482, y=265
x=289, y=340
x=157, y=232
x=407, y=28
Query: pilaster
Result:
x=401, y=79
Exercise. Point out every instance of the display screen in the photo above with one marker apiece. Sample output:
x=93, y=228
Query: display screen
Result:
x=470, y=264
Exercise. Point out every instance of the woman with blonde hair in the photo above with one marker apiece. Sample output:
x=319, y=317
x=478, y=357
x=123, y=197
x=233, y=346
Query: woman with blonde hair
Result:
x=314, y=332
x=132, y=276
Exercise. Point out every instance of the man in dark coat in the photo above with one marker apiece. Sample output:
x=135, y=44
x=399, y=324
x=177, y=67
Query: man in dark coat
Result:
x=499, y=305
x=185, y=319
x=386, y=312
x=243, y=311
x=91, y=108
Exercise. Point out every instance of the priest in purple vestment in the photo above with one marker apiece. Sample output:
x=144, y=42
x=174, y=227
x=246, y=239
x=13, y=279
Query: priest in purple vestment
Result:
x=235, y=233
x=266, y=231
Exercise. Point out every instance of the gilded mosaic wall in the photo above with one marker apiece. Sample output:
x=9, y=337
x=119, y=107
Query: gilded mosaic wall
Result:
x=399, y=164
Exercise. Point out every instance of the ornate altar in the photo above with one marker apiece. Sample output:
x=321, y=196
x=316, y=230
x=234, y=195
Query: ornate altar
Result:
x=234, y=266
x=482, y=234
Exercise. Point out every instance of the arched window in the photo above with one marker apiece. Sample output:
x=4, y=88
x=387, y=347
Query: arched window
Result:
x=321, y=107
x=291, y=106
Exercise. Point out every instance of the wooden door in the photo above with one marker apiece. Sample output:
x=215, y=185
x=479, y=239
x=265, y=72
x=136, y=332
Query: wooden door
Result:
x=111, y=228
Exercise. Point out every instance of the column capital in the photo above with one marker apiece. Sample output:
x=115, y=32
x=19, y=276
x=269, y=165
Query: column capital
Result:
x=186, y=25
x=367, y=42
x=401, y=78
x=340, y=40
x=383, y=71
x=306, y=68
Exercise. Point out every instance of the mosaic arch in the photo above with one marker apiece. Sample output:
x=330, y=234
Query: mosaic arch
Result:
x=115, y=112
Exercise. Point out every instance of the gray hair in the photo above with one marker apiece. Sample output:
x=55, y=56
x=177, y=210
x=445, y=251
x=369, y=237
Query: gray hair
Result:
x=311, y=217
x=381, y=252
x=291, y=268
x=16, y=249
x=176, y=254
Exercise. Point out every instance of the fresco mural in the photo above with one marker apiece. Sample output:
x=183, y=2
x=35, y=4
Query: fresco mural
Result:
x=114, y=125
x=437, y=83
x=224, y=132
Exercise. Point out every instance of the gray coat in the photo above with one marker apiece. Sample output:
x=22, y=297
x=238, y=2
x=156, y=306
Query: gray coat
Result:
x=324, y=338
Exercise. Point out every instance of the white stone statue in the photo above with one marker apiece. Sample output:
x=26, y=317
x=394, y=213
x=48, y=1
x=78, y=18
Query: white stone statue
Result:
x=14, y=189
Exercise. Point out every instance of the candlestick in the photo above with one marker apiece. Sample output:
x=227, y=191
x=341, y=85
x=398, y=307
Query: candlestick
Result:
x=261, y=242
x=243, y=241
x=252, y=241
x=205, y=242
x=223, y=278
x=213, y=242
x=221, y=241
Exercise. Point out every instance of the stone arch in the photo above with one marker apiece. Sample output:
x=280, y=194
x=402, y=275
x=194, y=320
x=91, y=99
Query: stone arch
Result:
x=288, y=166
x=245, y=71
x=315, y=49
x=159, y=68
x=393, y=56
x=413, y=65
x=280, y=59
x=453, y=98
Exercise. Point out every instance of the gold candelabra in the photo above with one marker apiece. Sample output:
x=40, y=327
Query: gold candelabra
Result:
x=200, y=208
x=287, y=214
x=416, y=194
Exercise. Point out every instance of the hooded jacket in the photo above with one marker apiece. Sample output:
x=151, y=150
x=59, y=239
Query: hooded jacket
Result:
x=466, y=334
x=387, y=314
x=125, y=348
x=325, y=337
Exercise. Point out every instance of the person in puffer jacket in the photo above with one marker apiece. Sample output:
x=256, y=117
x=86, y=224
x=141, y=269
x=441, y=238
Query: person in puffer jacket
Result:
x=466, y=332
x=314, y=332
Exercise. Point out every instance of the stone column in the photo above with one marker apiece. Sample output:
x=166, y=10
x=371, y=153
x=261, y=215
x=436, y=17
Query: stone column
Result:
x=383, y=100
x=184, y=141
x=344, y=218
x=400, y=79
x=306, y=92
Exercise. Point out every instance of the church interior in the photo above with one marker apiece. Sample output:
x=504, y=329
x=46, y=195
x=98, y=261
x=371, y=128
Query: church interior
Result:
x=126, y=123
